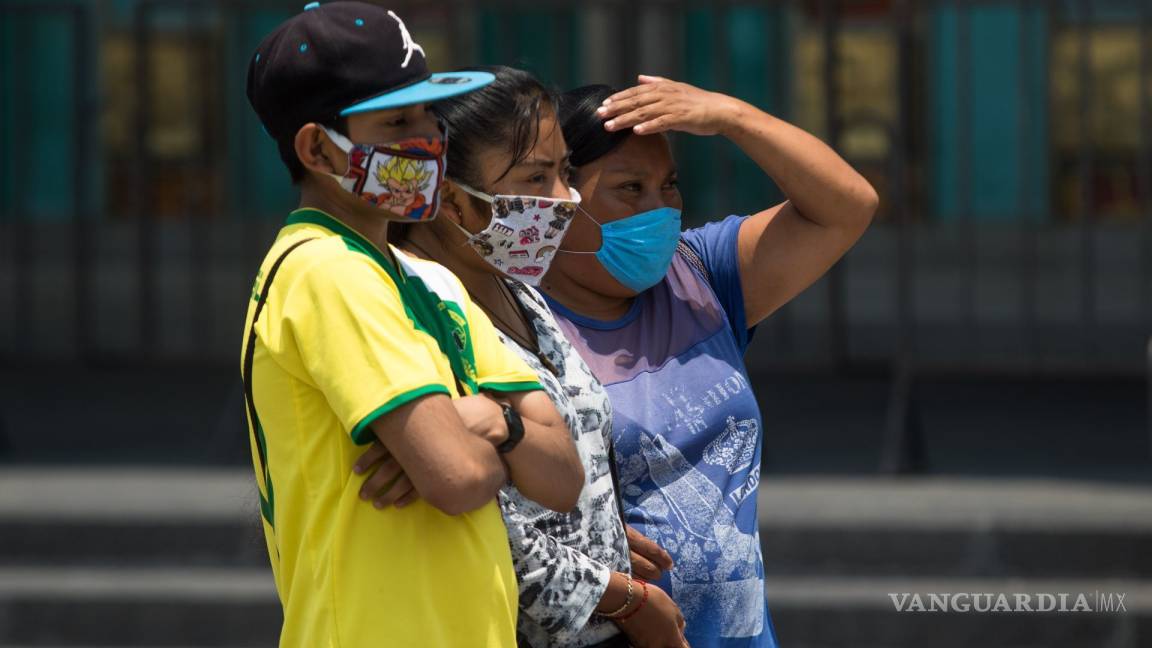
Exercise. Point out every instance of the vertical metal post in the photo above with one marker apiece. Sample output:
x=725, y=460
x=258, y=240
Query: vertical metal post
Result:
x=563, y=19
x=465, y=48
x=142, y=184
x=198, y=212
x=720, y=148
x=781, y=321
x=23, y=230
x=8, y=212
x=82, y=159
x=903, y=450
x=837, y=315
x=1148, y=393
x=900, y=170
x=1144, y=166
x=968, y=227
x=1087, y=189
x=628, y=45
x=1028, y=227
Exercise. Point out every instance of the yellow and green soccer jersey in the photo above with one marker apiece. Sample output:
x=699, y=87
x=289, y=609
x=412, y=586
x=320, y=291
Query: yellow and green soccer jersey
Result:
x=345, y=337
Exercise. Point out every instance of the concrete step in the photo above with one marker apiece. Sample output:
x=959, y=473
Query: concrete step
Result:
x=237, y=607
x=838, y=612
x=138, y=607
x=809, y=527
x=956, y=527
x=165, y=558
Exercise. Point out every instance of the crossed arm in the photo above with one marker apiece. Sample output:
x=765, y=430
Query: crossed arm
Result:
x=444, y=450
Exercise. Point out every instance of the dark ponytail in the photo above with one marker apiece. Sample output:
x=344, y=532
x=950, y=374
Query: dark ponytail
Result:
x=583, y=128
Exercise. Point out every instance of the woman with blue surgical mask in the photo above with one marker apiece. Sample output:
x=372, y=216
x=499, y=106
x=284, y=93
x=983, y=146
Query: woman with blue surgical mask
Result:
x=505, y=211
x=663, y=319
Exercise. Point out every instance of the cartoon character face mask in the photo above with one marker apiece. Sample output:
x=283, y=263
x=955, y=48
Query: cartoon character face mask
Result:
x=524, y=233
x=402, y=178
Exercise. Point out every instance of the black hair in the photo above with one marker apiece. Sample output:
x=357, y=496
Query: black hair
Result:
x=287, y=148
x=506, y=113
x=583, y=128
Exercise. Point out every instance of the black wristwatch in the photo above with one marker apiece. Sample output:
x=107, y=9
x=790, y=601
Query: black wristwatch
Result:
x=515, y=429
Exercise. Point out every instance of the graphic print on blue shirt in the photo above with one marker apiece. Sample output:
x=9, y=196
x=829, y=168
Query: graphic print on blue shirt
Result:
x=687, y=436
x=694, y=492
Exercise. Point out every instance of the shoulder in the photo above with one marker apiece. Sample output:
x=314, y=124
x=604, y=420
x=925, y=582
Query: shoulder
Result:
x=434, y=277
x=710, y=238
x=320, y=263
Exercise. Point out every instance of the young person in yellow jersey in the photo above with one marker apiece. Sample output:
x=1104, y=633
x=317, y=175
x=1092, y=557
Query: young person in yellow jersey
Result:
x=348, y=341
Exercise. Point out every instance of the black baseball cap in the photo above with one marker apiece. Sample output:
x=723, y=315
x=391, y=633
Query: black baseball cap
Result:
x=341, y=58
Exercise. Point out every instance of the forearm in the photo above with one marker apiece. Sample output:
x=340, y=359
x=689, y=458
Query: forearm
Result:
x=821, y=185
x=616, y=593
x=452, y=469
x=545, y=466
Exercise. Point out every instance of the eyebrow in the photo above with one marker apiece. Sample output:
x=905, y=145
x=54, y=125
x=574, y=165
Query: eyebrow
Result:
x=544, y=163
x=633, y=171
x=389, y=115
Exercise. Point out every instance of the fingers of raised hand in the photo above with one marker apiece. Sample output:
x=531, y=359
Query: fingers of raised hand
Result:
x=617, y=109
x=630, y=93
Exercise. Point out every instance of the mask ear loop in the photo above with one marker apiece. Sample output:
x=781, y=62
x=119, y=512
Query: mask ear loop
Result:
x=345, y=145
x=469, y=236
x=581, y=209
x=341, y=142
x=488, y=198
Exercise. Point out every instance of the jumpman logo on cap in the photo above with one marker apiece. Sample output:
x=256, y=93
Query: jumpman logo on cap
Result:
x=409, y=44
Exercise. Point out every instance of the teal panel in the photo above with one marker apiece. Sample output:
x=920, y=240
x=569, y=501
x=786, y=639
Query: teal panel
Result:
x=1006, y=109
x=541, y=41
x=261, y=184
x=8, y=30
x=757, y=48
x=490, y=32
x=46, y=119
x=696, y=156
x=534, y=38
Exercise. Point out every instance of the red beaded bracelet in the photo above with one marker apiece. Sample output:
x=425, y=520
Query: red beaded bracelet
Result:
x=643, y=600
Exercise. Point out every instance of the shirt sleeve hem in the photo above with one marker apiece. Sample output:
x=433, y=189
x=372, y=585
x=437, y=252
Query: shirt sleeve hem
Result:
x=587, y=608
x=362, y=434
x=515, y=386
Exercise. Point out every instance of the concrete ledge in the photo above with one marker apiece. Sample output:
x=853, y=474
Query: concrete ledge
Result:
x=238, y=608
x=941, y=503
x=128, y=494
x=229, y=494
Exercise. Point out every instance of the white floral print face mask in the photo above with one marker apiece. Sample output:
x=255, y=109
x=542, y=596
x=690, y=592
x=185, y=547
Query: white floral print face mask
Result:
x=524, y=234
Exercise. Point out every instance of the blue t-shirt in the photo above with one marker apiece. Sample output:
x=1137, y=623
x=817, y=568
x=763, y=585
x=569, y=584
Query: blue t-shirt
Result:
x=687, y=433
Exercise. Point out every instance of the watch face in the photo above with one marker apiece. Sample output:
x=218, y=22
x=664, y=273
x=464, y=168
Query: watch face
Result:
x=515, y=428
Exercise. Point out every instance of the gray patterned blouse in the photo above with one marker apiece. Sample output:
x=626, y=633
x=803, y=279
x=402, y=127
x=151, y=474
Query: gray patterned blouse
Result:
x=563, y=560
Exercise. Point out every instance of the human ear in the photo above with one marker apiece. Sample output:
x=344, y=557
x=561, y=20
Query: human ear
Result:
x=316, y=152
x=465, y=210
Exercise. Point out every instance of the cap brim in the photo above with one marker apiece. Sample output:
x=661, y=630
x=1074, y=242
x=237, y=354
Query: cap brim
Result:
x=436, y=87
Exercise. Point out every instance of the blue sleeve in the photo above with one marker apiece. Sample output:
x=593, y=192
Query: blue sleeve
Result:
x=715, y=243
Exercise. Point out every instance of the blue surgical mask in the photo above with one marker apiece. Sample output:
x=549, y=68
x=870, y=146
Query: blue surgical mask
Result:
x=638, y=250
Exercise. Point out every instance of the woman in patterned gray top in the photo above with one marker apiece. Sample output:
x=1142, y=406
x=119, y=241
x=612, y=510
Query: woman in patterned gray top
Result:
x=573, y=568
